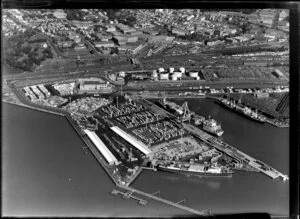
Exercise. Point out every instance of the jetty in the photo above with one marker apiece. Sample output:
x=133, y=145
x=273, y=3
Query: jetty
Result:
x=130, y=191
x=235, y=153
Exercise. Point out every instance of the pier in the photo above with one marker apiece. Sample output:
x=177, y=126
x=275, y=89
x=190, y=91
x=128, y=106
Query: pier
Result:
x=153, y=196
x=233, y=152
x=128, y=195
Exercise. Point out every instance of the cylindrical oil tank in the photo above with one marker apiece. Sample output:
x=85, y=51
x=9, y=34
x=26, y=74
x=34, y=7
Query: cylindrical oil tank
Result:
x=154, y=74
x=174, y=77
x=178, y=74
x=171, y=69
x=193, y=74
x=182, y=69
x=164, y=76
x=122, y=74
x=161, y=70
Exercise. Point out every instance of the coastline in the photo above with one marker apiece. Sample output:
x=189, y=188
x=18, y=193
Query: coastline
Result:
x=102, y=162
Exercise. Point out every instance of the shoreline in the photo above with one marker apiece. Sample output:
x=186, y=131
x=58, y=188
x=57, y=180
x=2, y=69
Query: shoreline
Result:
x=268, y=120
x=100, y=160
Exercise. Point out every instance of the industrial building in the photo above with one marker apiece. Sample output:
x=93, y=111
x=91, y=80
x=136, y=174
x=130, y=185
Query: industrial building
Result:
x=137, y=144
x=110, y=158
x=91, y=85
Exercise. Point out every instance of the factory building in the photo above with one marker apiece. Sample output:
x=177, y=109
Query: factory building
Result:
x=110, y=158
x=105, y=44
x=137, y=144
x=91, y=85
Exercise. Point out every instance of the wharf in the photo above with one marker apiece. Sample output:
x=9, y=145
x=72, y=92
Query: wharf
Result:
x=128, y=194
x=233, y=152
x=268, y=120
x=277, y=124
x=96, y=154
x=190, y=210
x=172, y=96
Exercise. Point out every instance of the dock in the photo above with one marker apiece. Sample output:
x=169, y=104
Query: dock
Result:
x=153, y=196
x=128, y=195
x=233, y=152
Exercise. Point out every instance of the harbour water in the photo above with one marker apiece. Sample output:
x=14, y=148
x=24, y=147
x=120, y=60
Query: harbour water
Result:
x=245, y=191
x=45, y=172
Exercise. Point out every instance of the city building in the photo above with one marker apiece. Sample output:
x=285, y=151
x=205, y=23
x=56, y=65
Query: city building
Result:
x=105, y=44
x=150, y=31
x=59, y=13
x=160, y=39
x=65, y=43
x=179, y=31
x=131, y=48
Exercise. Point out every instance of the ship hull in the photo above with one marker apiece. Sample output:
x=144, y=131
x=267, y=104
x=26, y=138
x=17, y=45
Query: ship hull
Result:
x=249, y=117
x=241, y=113
x=193, y=173
x=213, y=133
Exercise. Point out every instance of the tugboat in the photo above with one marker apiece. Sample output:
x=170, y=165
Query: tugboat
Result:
x=196, y=169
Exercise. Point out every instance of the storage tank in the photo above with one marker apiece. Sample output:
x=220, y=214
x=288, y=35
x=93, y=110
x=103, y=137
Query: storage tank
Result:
x=154, y=74
x=122, y=74
x=182, y=69
x=164, y=76
x=193, y=74
x=171, y=70
x=178, y=74
x=161, y=70
x=174, y=77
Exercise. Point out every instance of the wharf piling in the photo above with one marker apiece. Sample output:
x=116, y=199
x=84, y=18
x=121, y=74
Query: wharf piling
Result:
x=128, y=195
x=190, y=210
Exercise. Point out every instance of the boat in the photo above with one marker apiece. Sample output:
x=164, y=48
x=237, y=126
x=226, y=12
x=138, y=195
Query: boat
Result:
x=244, y=110
x=209, y=125
x=212, y=126
x=249, y=113
x=196, y=169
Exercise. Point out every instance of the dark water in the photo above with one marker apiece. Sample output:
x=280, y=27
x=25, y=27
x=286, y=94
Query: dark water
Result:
x=244, y=192
x=45, y=172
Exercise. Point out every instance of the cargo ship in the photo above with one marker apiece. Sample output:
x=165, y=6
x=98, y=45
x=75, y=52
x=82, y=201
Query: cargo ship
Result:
x=209, y=125
x=196, y=170
x=244, y=110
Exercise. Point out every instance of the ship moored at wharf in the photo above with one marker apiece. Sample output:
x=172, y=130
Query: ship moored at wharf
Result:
x=196, y=169
x=209, y=125
x=243, y=110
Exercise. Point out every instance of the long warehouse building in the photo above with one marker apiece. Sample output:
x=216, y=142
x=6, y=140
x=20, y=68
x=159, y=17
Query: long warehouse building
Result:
x=110, y=158
x=137, y=144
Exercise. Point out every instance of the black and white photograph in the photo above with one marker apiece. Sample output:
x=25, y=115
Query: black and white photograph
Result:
x=146, y=112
